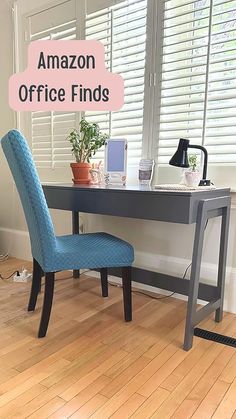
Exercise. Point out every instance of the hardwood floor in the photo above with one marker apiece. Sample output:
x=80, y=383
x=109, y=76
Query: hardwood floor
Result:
x=92, y=364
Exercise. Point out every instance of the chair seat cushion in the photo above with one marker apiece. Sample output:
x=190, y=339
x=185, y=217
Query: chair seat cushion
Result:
x=92, y=250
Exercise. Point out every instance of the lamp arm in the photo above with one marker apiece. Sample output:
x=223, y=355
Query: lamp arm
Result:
x=200, y=147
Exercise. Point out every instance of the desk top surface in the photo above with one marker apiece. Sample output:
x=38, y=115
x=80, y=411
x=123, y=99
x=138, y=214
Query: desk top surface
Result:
x=137, y=188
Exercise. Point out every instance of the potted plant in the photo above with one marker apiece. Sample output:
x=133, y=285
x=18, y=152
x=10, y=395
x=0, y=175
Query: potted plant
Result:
x=85, y=142
x=192, y=174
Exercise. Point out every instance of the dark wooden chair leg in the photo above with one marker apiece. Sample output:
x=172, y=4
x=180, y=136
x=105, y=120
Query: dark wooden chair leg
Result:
x=36, y=285
x=104, y=282
x=127, y=293
x=47, y=303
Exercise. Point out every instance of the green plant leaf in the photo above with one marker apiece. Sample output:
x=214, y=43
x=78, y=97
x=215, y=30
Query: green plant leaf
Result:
x=86, y=140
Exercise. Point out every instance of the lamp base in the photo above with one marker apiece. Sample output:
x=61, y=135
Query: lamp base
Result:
x=205, y=182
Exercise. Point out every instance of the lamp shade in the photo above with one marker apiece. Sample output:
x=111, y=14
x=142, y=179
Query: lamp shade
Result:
x=180, y=158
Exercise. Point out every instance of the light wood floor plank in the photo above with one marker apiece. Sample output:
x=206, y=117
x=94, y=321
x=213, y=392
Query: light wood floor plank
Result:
x=129, y=407
x=10, y=409
x=200, y=391
x=151, y=404
x=190, y=380
x=227, y=406
x=48, y=408
x=229, y=373
x=93, y=364
x=89, y=408
x=211, y=401
x=82, y=397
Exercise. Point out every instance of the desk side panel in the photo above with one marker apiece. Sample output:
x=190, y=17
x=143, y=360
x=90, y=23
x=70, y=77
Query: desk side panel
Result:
x=195, y=198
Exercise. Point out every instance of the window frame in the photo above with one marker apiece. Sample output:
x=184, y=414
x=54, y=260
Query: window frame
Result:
x=152, y=91
x=223, y=174
x=24, y=122
x=47, y=173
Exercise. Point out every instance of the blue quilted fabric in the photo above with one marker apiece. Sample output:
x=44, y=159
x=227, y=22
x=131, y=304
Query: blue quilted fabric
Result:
x=56, y=253
x=92, y=250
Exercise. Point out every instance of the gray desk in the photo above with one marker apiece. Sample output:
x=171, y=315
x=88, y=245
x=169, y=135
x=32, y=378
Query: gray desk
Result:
x=175, y=207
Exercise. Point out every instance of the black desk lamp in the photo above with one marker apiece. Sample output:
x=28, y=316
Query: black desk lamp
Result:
x=180, y=159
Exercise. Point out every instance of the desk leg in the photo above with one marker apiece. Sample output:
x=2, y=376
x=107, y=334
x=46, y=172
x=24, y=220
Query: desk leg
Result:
x=75, y=230
x=194, y=280
x=208, y=208
x=222, y=260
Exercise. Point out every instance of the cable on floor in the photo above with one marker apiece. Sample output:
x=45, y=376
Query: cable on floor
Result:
x=152, y=296
x=4, y=278
x=142, y=292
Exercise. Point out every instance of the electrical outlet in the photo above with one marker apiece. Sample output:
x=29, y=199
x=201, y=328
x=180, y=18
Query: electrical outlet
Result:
x=24, y=276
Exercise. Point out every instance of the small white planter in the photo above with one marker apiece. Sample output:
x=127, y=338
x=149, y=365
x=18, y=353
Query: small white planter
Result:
x=192, y=179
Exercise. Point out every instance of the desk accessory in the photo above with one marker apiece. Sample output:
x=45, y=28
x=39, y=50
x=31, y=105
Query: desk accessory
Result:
x=96, y=173
x=85, y=142
x=180, y=159
x=146, y=169
x=115, y=161
x=192, y=176
x=180, y=187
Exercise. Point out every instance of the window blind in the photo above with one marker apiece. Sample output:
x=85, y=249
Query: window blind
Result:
x=198, y=87
x=122, y=30
x=49, y=130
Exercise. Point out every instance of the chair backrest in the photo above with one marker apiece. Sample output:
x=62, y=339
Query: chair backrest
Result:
x=35, y=207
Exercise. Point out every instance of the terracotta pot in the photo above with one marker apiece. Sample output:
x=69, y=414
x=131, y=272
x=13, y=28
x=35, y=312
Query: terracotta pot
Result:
x=81, y=172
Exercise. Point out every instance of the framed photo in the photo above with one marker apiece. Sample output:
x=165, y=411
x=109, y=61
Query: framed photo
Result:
x=116, y=161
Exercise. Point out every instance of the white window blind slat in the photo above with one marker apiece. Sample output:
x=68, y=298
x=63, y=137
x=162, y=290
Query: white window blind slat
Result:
x=49, y=130
x=198, y=90
x=123, y=30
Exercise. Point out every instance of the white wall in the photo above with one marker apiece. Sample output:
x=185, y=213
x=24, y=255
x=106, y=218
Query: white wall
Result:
x=161, y=246
x=8, y=217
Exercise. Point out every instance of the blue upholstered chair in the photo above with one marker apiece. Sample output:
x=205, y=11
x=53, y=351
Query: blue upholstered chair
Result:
x=56, y=253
